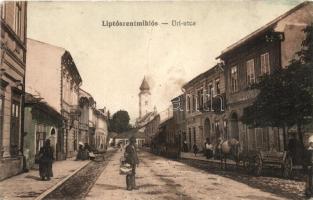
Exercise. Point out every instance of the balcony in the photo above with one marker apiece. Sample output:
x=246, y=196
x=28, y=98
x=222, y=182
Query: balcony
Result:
x=74, y=110
x=83, y=126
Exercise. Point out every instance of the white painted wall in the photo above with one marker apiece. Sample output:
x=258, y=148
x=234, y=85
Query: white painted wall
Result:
x=43, y=72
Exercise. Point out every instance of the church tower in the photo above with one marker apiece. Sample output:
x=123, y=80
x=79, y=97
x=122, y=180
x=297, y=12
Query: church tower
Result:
x=145, y=105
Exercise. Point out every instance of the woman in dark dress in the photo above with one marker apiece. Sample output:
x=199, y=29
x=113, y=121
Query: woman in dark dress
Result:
x=46, y=159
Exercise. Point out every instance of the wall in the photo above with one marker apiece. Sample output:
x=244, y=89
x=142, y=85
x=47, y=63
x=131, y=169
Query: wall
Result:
x=143, y=108
x=292, y=26
x=12, y=64
x=101, y=133
x=39, y=120
x=42, y=59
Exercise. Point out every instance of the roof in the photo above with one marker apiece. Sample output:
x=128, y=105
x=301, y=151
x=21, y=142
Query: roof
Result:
x=263, y=29
x=68, y=60
x=203, y=75
x=177, y=98
x=166, y=122
x=145, y=119
x=65, y=55
x=46, y=44
x=84, y=93
x=144, y=85
x=38, y=102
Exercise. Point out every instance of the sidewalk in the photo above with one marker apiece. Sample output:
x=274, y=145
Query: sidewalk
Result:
x=29, y=186
x=200, y=156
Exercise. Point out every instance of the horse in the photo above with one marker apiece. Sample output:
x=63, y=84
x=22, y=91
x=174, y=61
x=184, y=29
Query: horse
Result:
x=229, y=148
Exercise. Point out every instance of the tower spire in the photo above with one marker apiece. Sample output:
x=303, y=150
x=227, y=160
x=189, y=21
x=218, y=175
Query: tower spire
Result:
x=144, y=84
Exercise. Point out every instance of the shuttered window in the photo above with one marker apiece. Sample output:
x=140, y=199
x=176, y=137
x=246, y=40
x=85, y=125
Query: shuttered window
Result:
x=1, y=117
x=234, y=79
x=265, y=63
x=250, y=72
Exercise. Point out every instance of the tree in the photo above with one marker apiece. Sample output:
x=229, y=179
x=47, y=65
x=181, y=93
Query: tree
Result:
x=119, y=122
x=285, y=97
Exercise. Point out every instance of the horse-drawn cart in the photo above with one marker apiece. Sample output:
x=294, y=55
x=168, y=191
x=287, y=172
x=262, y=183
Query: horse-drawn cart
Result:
x=255, y=162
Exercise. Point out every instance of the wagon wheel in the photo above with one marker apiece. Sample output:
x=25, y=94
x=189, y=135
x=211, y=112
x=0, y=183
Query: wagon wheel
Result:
x=287, y=167
x=258, y=165
x=249, y=165
x=246, y=164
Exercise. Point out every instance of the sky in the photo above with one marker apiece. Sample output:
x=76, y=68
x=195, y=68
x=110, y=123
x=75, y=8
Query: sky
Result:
x=113, y=61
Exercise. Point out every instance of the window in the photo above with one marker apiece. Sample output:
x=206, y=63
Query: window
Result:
x=15, y=127
x=75, y=140
x=40, y=136
x=250, y=72
x=234, y=79
x=1, y=117
x=210, y=91
x=217, y=129
x=193, y=102
x=190, y=138
x=188, y=103
x=194, y=135
x=18, y=18
x=265, y=63
x=225, y=129
x=200, y=98
x=3, y=10
x=217, y=86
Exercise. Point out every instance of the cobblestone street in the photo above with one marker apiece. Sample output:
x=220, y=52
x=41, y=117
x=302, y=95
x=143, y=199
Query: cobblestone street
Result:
x=160, y=178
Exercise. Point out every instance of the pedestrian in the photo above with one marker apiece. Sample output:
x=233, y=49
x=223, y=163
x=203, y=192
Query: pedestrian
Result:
x=309, y=182
x=292, y=147
x=208, y=149
x=121, y=146
x=195, y=149
x=80, y=153
x=45, y=161
x=131, y=158
x=185, y=147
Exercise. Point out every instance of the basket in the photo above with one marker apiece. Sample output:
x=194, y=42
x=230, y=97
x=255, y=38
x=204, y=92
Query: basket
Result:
x=125, y=168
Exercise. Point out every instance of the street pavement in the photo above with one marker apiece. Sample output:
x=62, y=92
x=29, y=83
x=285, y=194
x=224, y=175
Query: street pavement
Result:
x=29, y=186
x=160, y=178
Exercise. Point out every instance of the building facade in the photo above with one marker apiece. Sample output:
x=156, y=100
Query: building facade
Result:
x=12, y=75
x=101, y=132
x=266, y=49
x=205, y=107
x=60, y=91
x=71, y=81
x=86, y=102
x=151, y=129
x=41, y=122
x=179, y=118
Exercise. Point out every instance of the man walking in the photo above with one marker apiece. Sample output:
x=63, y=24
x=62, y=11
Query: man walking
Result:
x=132, y=159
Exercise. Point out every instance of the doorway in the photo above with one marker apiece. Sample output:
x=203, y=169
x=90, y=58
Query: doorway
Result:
x=234, y=129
